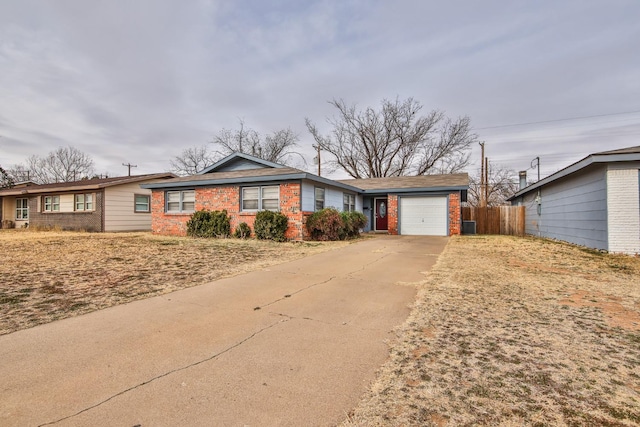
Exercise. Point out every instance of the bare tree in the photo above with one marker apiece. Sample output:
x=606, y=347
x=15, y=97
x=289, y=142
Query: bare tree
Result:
x=502, y=184
x=62, y=165
x=395, y=140
x=192, y=160
x=6, y=181
x=276, y=147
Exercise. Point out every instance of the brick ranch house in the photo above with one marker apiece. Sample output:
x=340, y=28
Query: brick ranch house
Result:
x=101, y=204
x=243, y=185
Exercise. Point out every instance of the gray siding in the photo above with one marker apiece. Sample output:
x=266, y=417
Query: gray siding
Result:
x=239, y=165
x=573, y=209
x=333, y=197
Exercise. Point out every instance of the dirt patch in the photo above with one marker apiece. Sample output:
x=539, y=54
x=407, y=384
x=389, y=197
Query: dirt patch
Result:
x=53, y=275
x=511, y=332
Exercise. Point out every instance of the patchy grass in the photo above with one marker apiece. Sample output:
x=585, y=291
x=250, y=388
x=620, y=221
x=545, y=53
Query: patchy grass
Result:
x=52, y=275
x=510, y=332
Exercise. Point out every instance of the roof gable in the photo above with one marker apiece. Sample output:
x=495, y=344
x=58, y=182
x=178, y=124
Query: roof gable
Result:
x=239, y=161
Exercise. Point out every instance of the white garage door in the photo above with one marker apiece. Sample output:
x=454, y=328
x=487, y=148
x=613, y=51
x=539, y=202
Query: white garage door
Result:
x=423, y=216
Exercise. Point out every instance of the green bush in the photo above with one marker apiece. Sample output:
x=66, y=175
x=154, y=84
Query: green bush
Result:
x=325, y=224
x=270, y=225
x=329, y=224
x=243, y=231
x=205, y=223
x=353, y=222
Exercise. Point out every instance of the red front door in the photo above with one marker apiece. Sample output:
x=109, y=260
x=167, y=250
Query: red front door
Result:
x=381, y=214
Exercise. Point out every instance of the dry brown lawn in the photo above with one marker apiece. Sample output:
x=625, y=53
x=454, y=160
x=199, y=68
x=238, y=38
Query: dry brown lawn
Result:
x=48, y=275
x=511, y=332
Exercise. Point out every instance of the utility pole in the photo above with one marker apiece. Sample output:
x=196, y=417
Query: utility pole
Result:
x=129, y=165
x=317, y=147
x=486, y=181
x=482, y=183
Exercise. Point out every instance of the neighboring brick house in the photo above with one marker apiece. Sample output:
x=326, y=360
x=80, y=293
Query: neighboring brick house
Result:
x=594, y=202
x=243, y=185
x=101, y=204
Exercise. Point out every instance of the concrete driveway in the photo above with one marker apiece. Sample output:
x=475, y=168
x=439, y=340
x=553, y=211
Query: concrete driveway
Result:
x=294, y=344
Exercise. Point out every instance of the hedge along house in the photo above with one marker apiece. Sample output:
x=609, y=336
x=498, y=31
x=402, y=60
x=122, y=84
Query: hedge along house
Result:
x=594, y=202
x=101, y=204
x=243, y=185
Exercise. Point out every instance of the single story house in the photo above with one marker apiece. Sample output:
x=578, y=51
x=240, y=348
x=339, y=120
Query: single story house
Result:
x=243, y=185
x=594, y=202
x=101, y=204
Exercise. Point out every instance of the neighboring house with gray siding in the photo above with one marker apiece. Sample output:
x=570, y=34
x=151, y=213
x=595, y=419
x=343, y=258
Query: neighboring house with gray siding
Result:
x=594, y=202
x=101, y=204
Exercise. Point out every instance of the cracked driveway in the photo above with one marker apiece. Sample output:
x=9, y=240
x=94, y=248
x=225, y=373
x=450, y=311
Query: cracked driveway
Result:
x=293, y=344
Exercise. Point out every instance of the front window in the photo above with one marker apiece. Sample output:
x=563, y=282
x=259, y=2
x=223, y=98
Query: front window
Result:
x=84, y=202
x=142, y=202
x=181, y=201
x=319, y=198
x=349, y=203
x=261, y=198
x=52, y=203
x=22, y=209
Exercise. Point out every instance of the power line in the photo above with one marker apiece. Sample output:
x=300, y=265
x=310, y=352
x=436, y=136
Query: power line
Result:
x=557, y=120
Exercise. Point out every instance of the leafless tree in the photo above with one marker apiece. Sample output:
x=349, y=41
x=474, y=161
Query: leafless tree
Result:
x=6, y=181
x=276, y=147
x=62, y=165
x=395, y=140
x=502, y=184
x=192, y=160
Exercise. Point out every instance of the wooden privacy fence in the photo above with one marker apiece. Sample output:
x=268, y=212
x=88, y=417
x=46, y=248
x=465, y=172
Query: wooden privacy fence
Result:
x=508, y=220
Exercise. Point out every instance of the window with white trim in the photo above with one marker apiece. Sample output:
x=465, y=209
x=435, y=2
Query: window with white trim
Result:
x=51, y=203
x=22, y=209
x=142, y=203
x=265, y=198
x=181, y=201
x=319, y=198
x=84, y=202
x=349, y=202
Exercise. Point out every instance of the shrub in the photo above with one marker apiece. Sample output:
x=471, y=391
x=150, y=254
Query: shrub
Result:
x=271, y=225
x=243, y=231
x=353, y=222
x=325, y=224
x=205, y=223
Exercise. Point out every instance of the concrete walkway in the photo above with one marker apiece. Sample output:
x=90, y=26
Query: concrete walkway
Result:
x=295, y=344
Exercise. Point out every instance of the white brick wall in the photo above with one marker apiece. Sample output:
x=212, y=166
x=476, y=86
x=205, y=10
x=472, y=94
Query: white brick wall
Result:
x=623, y=211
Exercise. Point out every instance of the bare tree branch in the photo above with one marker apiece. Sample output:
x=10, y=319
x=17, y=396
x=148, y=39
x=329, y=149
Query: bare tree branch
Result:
x=276, y=147
x=395, y=140
x=192, y=160
x=503, y=183
x=65, y=164
x=6, y=181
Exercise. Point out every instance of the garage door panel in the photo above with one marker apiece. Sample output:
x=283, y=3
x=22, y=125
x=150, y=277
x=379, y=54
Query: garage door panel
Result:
x=424, y=216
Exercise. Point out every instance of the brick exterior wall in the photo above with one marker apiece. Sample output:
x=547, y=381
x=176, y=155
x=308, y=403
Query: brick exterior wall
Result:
x=78, y=221
x=228, y=198
x=455, y=214
x=623, y=211
x=392, y=214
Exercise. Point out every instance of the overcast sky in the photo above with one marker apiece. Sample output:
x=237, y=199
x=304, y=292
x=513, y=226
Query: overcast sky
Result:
x=138, y=81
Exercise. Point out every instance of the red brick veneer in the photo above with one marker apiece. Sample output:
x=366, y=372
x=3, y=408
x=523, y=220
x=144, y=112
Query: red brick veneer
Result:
x=228, y=198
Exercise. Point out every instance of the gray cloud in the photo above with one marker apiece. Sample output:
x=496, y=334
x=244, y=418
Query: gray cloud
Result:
x=140, y=81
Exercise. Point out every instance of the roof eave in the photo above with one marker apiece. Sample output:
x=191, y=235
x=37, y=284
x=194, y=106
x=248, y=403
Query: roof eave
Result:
x=443, y=188
x=577, y=166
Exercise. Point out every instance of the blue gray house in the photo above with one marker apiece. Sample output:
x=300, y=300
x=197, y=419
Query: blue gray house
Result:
x=594, y=202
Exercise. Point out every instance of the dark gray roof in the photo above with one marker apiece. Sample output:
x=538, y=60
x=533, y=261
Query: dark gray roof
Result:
x=628, y=150
x=85, y=184
x=410, y=182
